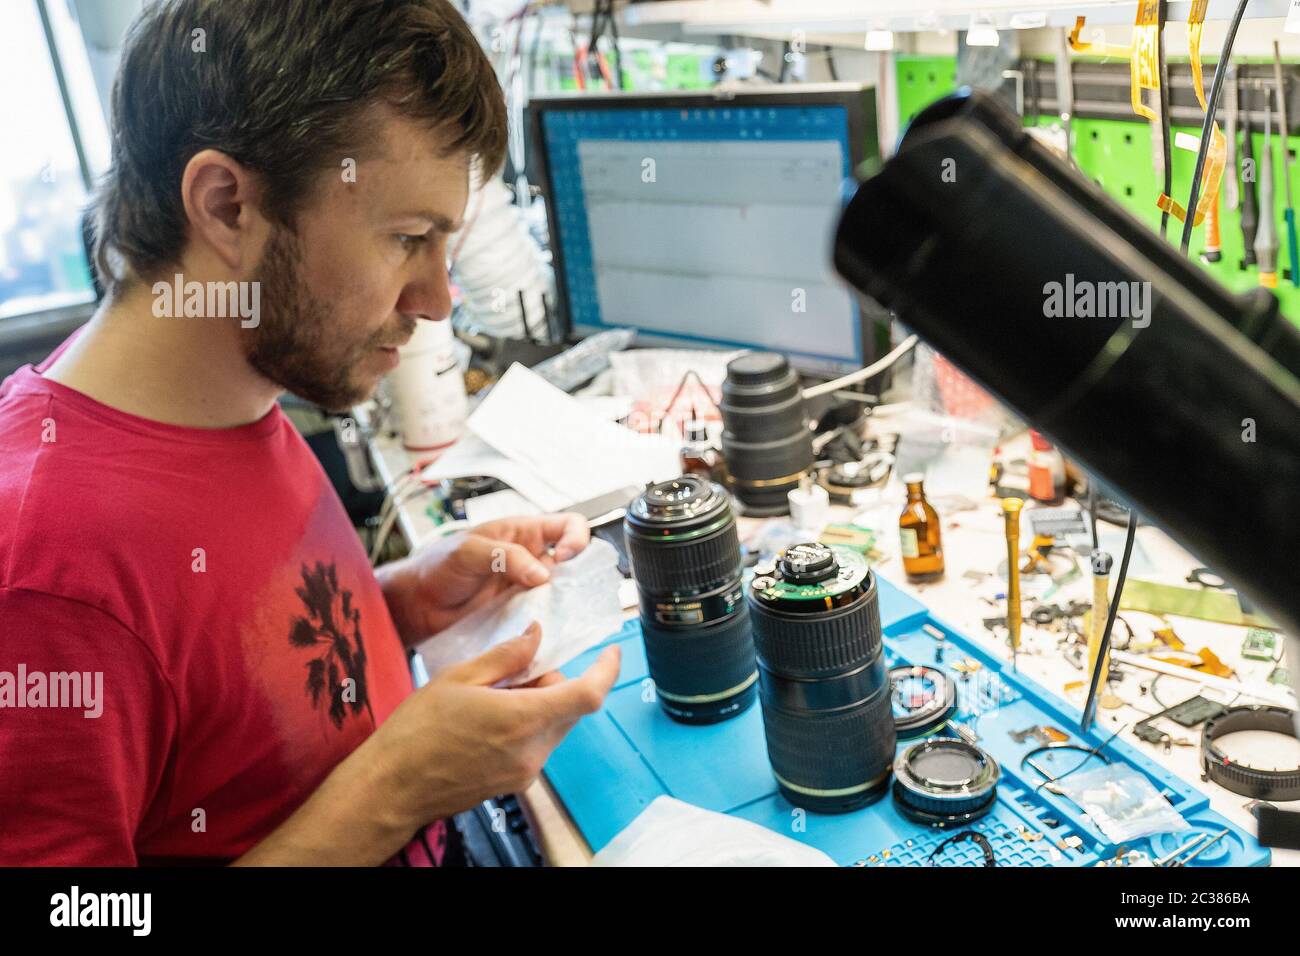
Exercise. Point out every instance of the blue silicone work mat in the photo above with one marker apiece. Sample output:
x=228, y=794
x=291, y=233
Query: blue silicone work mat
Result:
x=616, y=761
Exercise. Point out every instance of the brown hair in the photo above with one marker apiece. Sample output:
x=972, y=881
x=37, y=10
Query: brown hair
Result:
x=280, y=86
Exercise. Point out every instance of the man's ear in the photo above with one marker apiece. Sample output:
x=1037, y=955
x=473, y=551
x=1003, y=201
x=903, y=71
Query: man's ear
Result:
x=219, y=195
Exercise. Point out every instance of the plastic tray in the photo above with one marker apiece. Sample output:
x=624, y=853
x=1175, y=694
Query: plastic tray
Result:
x=615, y=762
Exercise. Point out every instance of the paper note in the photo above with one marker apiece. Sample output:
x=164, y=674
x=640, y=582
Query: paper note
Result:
x=499, y=504
x=566, y=445
x=471, y=455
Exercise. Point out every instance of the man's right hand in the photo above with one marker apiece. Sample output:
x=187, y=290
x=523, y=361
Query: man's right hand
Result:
x=454, y=742
x=459, y=740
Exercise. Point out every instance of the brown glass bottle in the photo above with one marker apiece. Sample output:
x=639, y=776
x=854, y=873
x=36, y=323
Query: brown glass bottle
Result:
x=918, y=529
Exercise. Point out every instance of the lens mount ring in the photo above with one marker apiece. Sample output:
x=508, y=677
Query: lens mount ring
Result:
x=914, y=719
x=945, y=781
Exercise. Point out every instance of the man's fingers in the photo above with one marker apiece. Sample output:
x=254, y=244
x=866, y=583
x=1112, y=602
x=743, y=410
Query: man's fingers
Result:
x=549, y=679
x=585, y=694
x=569, y=531
x=504, y=660
x=564, y=534
x=481, y=555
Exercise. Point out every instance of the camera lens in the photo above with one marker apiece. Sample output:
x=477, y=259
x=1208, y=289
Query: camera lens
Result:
x=765, y=437
x=945, y=782
x=827, y=708
x=685, y=557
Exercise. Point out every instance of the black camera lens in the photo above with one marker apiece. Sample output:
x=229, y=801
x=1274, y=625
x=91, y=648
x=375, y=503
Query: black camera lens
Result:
x=765, y=438
x=827, y=708
x=945, y=782
x=685, y=557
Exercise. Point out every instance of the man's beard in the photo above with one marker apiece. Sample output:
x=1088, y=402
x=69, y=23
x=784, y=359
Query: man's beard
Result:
x=296, y=343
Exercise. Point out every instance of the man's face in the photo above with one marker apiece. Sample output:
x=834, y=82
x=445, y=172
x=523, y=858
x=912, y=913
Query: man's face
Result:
x=366, y=261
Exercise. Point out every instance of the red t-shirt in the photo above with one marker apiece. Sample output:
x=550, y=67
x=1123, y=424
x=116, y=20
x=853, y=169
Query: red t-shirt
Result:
x=209, y=584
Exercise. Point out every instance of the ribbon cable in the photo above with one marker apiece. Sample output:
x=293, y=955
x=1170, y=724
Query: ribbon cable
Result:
x=1144, y=71
x=1216, y=156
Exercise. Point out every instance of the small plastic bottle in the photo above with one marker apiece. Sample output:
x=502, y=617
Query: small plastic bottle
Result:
x=918, y=530
x=1046, y=471
x=698, y=456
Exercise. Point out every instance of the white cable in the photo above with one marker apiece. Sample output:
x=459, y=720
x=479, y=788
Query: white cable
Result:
x=862, y=374
x=386, y=526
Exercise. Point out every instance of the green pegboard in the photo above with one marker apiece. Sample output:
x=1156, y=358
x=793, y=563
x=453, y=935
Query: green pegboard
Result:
x=921, y=81
x=686, y=72
x=1117, y=154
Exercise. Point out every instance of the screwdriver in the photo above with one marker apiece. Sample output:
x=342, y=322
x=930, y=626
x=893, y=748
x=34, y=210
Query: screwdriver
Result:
x=1266, y=233
x=1230, y=182
x=1101, y=565
x=1011, y=512
x=1169, y=858
x=1200, y=849
x=1284, y=134
x=1213, y=243
x=1249, y=218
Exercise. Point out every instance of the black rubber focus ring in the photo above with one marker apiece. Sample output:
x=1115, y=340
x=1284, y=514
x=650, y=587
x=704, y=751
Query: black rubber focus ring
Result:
x=1279, y=785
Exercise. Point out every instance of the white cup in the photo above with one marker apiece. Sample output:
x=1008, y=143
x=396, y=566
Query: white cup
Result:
x=428, y=390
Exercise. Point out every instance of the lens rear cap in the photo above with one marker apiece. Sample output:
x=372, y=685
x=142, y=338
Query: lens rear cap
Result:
x=808, y=564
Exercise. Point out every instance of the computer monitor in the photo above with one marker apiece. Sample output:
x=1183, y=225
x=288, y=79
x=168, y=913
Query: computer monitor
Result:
x=706, y=219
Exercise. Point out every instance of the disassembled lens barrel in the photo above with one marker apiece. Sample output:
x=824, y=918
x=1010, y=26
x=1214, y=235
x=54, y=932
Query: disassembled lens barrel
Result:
x=825, y=692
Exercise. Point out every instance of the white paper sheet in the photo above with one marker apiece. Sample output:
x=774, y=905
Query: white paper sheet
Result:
x=670, y=832
x=564, y=444
x=471, y=455
x=498, y=504
x=577, y=609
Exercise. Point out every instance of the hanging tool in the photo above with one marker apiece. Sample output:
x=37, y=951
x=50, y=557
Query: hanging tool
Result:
x=1195, y=29
x=1249, y=217
x=1266, y=243
x=1284, y=134
x=1160, y=126
x=1011, y=514
x=1211, y=157
x=1230, y=193
x=1213, y=240
x=1065, y=90
x=1213, y=148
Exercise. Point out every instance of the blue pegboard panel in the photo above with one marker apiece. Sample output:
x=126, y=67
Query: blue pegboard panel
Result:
x=617, y=761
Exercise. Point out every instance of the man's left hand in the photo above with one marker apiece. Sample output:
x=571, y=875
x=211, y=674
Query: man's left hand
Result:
x=455, y=575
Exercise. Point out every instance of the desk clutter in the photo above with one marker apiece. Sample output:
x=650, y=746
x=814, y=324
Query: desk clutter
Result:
x=779, y=629
x=972, y=766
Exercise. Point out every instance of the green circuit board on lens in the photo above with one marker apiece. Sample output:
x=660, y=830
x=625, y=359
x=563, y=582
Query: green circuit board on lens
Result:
x=853, y=571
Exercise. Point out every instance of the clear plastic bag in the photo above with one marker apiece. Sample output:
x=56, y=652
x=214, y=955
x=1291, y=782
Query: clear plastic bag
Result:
x=1121, y=802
